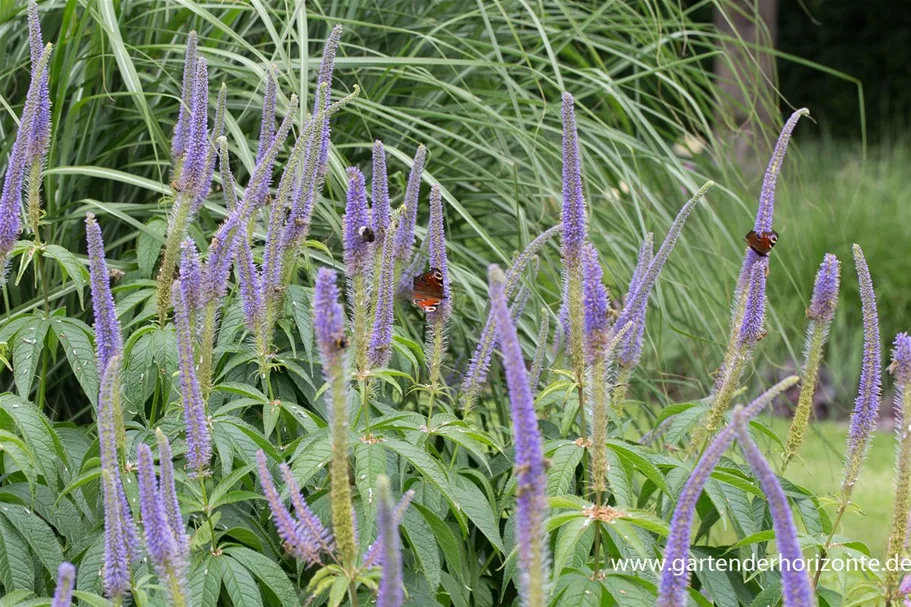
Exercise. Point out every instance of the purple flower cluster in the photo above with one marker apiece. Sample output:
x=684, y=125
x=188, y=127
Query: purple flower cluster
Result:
x=391, y=591
x=329, y=319
x=303, y=536
x=66, y=583
x=182, y=128
x=436, y=236
x=752, y=327
x=166, y=540
x=675, y=574
x=379, y=194
x=901, y=362
x=595, y=303
x=630, y=349
x=108, y=341
x=356, y=219
x=825, y=290
x=404, y=236
x=199, y=445
x=575, y=226
x=531, y=480
x=379, y=350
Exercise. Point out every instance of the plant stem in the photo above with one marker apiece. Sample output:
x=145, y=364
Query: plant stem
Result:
x=841, y=511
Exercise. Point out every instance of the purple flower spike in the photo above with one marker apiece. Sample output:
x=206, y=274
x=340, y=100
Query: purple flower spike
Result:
x=374, y=555
x=575, y=227
x=169, y=496
x=901, y=360
x=182, y=128
x=191, y=275
x=630, y=349
x=199, y=445
x=326, y=67
x=218, y=263
x=380, y=193
x=194, y=166
x=116, y=570
x=437, y=246
x=404, y=236
x=35, y=113
x=751, y=329
x=795, y=584
x=531, y=480
x=329, y=319
x=40, y=135
x=288, y=528
x=267, y=123
x=866, y=406
x=108, y=341
x=675, y=574
x=355, y=221
x=595, y=303
x=391, y=592
x=380, y=350
x=66, y=583
x=159, y=542
x=311, y=530
x=249, y=286
x=825, y=290
x=767, y=196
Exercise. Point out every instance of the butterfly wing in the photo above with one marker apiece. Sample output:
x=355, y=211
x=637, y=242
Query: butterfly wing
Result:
x=762, y=243
x=428, y=290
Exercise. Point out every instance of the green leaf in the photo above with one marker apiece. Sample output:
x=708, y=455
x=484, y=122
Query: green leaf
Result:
x=37, y=534
x=70, y=265
x=567, y=539
x=205, y=583
x=266, y=571
x=15, y=448
x=75, y=338
x=640, y=462
x=27, y=346
x=311, y=456
x=445, y=539
x=91, y=599
x=475, y=504
x=563, y=463
x=424, y=464
x=420, y=536
x=369, y=463
x=149, y=245
x=239, y=584
x=226, y=483
x=16, y=568
x=36, y=430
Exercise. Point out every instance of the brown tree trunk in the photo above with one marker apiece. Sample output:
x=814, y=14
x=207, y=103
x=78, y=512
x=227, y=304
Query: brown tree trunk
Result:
x=746, y=76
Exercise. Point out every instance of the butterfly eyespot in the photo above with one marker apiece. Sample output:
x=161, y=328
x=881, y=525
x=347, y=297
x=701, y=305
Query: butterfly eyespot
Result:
x=438, y=275
x=430, y=309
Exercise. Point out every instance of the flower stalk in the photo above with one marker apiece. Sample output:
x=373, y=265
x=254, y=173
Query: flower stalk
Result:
x=901, y=507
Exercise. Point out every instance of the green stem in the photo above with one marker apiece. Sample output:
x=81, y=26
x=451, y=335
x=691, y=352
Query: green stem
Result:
x=208, y=509
x=177, y=229
x=824, y=550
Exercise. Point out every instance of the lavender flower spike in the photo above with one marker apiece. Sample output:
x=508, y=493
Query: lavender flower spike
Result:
x=329, y=327
x=866, y=406
x=595, y=302
x=821, y=312
x=575, y=226
x=194, y=167
x=163, y=547
x=357, y=217
x=169, y=495
x=675, y=574
x=631, y=347
x=108, y=341
x=310, y=529
x=767, y=195
x=380, y=193
x=404, y=236
x=326, y=67
x=391, y=593
x=199, y=446
x=901, y=508
x=287, y=527
x=380, y=348
x=795, y=584
x=66, y=583
x=751, y=329
x=116, y=570
x=267, y=123
x=531, y=487
x=182, y=128
x=191, y=276
x=21, y=155
x=437, y=247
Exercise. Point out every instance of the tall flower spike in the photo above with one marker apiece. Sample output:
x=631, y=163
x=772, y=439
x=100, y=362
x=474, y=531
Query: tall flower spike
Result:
x=531, y=480
x=357, y=217
x=248, y=278
x=329, y=327
x=66, y=583
x=631, y=347
x=326, y=68
x=169, y=495
x=375, y=553
x=191, y=276
x=380, y=349
x=380, y=193
x=821, y=312
x=267, y=122
x=163, y=547
x=182, y=128
x=480, y=360
x=575, y=226
x=310, y=528
x=199, y=446
x=436, y=235
x=795, y=583
x=391, y=593
x=40, y=128
x=116, y=570
x=108, y=341
x=285, y=524
x=194, y=165
x=20, y=156
x=404, y=236
x=751, y=329
x=866, y=406
x=901, y=508
x=675, y=574
x=595, y=302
